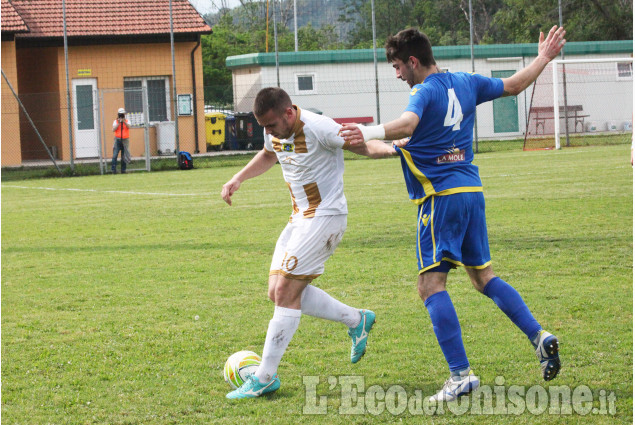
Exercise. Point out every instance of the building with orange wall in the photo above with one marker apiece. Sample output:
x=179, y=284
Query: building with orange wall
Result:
x=119, y=55
x=11, y=24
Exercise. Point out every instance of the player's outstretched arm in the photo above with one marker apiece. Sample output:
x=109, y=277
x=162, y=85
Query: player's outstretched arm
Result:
x=260, y=163
x=548, y=49
x=398, y=128
x=375, y=149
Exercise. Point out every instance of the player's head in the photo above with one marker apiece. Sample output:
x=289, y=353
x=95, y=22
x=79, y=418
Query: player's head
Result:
x=275, y=112
x=407, y=50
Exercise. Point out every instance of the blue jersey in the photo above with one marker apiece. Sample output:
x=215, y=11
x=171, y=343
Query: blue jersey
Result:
x=438, y=158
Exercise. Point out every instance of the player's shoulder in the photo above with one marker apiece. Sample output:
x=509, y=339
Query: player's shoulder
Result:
x=316, y=122
x=321, y=129
x=470, y=80
x=311, y=117
x=463, y=76
x=420, y=88
x=472, y=76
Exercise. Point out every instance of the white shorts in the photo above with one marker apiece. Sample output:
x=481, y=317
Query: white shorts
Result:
x=304, y=246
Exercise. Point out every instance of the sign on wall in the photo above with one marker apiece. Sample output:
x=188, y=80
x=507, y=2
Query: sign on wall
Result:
x=185, y=104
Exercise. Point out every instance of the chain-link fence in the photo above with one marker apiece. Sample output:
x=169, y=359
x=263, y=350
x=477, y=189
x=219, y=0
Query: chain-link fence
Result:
x=161, y=127
x=325, y=64
x=595, y=104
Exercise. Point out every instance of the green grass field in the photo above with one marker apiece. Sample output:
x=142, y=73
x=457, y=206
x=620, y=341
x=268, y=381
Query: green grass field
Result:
x=102, y=278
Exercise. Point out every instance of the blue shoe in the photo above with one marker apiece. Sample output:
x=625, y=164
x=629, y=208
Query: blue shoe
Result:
x=359, y=335
x=456, y=386
x=547, y=352
x=252, y=388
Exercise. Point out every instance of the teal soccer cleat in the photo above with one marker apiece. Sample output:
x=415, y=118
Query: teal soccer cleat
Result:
x=252, y=388
x=547, y=352
x=359, y=335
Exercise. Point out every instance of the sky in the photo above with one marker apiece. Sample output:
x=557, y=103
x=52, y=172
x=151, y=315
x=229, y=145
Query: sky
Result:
x=206, y=6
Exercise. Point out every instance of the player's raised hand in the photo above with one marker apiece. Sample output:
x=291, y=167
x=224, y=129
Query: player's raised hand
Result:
x=228, y=190
x=550, y=47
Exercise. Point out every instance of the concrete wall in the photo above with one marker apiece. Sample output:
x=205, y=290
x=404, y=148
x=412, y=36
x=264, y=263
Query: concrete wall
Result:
x=42, y=80
x=347, y=90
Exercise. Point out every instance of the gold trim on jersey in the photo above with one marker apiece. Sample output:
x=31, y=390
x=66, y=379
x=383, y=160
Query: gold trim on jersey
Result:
x=295, y=205
x=458, y=263
x=299, y=139
x=419, y=234
x=434, y=244
x=428, y=188
x=294, y=276
x=277, y=146
x=314, y=198
x=452, y=191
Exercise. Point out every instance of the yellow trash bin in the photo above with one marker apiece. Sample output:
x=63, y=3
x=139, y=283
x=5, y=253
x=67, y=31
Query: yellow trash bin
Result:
x=215, y=130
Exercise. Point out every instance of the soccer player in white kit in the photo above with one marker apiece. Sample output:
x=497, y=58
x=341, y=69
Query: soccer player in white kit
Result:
x=308, y=147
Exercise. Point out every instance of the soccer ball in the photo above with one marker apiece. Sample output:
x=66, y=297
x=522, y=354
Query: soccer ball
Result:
x=239, y=366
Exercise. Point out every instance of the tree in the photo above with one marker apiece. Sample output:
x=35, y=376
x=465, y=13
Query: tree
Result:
x=446, y=22
x=223, y=42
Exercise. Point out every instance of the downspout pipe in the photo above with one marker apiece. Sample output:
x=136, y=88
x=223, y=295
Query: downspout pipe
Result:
x=198, y=43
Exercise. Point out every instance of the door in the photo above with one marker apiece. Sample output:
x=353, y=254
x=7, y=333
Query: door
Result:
x=505, y=109
x=86, y=118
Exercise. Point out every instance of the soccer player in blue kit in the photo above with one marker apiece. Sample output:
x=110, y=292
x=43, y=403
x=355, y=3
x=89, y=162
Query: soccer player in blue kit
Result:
x=434, y=140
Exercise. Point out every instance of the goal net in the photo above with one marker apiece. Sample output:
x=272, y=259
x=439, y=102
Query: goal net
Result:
x=581, y=102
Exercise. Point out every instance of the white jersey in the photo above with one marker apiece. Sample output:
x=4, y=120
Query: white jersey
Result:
x=312, y=165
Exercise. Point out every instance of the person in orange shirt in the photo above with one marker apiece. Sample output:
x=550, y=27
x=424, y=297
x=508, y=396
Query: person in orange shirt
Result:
x=121, y=128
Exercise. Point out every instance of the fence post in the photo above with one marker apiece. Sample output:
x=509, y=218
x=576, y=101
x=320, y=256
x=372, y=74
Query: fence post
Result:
x=146, y=125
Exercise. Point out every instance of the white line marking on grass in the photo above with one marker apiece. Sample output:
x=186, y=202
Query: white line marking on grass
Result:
x=125, y=192
x=566, y=151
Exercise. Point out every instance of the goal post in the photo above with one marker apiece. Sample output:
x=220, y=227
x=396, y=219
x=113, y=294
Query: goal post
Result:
x=580, y=102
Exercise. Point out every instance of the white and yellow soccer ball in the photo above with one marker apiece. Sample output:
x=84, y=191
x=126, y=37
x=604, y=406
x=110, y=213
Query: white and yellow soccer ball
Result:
x=239, y=366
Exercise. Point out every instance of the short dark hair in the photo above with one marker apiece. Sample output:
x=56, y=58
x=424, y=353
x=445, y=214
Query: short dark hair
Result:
x=410, y=42
x=271, y=98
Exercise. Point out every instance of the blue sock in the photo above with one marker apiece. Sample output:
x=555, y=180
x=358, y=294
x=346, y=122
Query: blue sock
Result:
x=511, y=303
x=447, y=329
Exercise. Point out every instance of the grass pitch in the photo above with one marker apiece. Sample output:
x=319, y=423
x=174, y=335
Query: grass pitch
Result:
x=103, y=277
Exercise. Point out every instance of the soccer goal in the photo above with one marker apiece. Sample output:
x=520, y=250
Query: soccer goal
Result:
x=581, y=102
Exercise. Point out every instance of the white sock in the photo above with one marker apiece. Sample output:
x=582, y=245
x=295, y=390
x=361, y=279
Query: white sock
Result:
x=317, y=303
x=282, y=326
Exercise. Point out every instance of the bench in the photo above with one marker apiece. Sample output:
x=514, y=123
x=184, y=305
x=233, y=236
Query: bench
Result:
x=541, y=114
x=358, y=120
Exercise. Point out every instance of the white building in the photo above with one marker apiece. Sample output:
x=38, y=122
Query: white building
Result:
x=341, y=84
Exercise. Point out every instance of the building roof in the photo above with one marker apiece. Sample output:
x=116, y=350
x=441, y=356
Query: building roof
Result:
x=440, y=52
x=93, y=18
x=11, y=20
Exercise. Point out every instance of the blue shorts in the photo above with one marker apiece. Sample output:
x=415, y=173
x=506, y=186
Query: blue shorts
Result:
x=451, y=231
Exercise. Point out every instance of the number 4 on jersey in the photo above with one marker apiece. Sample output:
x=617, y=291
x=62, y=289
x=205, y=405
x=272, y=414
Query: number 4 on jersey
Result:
x=454, y=116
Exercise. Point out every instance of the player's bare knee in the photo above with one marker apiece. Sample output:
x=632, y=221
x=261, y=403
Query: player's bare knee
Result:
x=422, y=290
x=428, y=286
x=283, y=290
x=478, y=283
x=479, y=286
x=272, y=293
x=480, y=278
